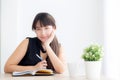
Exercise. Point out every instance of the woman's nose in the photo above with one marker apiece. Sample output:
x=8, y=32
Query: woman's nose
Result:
x=42, y=32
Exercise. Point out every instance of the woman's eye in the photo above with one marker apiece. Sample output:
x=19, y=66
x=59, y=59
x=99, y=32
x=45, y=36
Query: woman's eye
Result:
x=38, y=29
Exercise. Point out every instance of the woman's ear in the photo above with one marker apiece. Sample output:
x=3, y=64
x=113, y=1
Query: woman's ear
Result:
x=54, y=28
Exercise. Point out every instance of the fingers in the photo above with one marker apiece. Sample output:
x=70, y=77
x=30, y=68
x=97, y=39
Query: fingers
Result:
x=42, y=64
x=52, y=35
x=44, y=61
x=50, y=39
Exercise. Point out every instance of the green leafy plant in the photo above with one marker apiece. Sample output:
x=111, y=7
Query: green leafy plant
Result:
x=93, y=52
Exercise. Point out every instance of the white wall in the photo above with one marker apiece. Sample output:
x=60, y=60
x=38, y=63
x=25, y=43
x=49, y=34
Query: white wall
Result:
x=79, y=23
x=112, y=38
x=8, y=29
x=0, y=35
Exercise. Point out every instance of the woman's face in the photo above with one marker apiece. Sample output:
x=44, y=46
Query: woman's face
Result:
x=43, y=32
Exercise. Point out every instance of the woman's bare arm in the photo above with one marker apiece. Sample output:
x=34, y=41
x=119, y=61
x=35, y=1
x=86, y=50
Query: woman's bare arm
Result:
x=12, y=63
x=58, y=62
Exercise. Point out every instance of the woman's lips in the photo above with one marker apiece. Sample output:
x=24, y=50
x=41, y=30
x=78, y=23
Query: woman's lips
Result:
x=43, y=37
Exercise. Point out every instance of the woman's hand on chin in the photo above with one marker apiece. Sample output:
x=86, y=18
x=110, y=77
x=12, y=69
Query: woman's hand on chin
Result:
x=50, y=39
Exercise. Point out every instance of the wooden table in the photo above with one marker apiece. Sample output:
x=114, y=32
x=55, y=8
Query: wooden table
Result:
x=54, y=77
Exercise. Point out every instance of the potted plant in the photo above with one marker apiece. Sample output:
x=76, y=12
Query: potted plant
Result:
x=92, y=56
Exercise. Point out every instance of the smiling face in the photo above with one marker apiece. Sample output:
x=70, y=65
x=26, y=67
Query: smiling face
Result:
x=43, y=32
x=43, y=25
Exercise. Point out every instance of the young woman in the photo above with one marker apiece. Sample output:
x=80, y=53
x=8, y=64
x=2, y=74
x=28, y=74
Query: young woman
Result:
x=45, y=45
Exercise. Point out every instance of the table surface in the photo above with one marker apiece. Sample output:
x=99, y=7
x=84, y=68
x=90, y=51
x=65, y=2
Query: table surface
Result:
x=7, y=76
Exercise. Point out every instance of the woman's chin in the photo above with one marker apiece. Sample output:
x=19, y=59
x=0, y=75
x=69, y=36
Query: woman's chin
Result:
x=43, y=41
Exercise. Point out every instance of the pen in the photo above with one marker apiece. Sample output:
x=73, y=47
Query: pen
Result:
x=41, y=60
x=39, y=57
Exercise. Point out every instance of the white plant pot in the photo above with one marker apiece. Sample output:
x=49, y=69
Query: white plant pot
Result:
x=93, y=70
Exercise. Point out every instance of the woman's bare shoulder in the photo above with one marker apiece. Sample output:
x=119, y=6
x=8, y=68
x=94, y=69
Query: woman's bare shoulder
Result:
x=25, y=41
x=22, y=47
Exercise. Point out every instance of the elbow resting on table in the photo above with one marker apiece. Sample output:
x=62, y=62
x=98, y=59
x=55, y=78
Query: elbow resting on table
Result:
x=60, y=71
x=6, y=70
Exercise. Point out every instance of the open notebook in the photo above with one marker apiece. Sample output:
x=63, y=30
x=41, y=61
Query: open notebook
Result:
x=38, y=72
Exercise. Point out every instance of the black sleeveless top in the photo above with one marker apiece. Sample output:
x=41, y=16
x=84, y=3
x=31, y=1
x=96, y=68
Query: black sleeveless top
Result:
x=34, y=47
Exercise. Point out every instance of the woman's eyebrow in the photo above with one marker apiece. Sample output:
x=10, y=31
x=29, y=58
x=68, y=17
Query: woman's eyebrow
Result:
x=38, y=27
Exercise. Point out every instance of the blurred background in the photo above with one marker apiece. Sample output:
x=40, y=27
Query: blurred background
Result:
x=79, y=24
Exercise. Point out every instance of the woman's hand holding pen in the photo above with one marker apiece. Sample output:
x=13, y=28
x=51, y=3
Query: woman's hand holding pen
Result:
x=41, y=65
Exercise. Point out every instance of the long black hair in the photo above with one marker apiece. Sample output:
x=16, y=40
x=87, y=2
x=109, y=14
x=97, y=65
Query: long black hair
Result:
x=46, y=19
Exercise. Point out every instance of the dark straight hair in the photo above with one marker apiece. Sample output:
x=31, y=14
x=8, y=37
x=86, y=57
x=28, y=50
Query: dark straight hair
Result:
x=46, y=19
